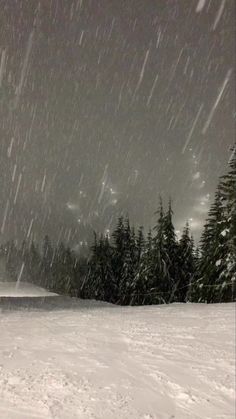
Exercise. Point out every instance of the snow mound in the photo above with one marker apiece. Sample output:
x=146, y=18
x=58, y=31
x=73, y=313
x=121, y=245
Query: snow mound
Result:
x=106, y=362
x=9, y=289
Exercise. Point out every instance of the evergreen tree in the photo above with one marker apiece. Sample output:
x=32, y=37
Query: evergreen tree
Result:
x=69, y=280
x=129, y=264
x=160, y=284
x=141, y=287
x=46, y=263
x=81, y=271
x=13, y=261
x=187, y=265
x=170, y=255
x=140, y=243
x=100, y=282
x=228, y=190
x=119, y=237
x=109, y=283
x=211, y=282
x=32, y=260
x=58, y=269
x=88, y=288
x=147, y=263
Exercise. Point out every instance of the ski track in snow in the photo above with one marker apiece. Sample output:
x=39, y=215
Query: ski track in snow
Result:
x=101, y=361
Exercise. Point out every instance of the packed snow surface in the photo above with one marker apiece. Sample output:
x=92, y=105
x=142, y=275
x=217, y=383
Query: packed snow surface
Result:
x=94, y=360
x=10, y=289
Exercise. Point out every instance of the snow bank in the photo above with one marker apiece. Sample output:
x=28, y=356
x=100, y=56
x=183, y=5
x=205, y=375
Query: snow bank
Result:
x=9, y=289
x=111, y=362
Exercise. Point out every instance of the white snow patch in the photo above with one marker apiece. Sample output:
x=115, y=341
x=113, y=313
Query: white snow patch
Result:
x=224, y=232
x=23, y=289
x=104, y=362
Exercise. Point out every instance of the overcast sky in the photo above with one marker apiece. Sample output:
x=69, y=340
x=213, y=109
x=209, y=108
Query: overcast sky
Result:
x=105, y=105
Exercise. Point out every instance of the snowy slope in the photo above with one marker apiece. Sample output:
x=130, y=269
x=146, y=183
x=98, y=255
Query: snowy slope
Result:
x=10, y=289
x=105, y=362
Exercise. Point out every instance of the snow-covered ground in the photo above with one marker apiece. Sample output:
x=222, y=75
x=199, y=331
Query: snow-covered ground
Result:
x=10, y=289
x=94, y=360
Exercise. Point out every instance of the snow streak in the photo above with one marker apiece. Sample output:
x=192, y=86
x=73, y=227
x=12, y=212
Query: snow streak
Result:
x=219, y=14
x=24, y=68
x=152, y=90
x=142, y=71
x=200, y=5
x=192, y=129
x=226, y=80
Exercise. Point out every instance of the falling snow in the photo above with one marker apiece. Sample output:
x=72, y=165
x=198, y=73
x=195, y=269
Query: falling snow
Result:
x=219, y=14
x=200, y=5
x=211, y=114
x=106, y=105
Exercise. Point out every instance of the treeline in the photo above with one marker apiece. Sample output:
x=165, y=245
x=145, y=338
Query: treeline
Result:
x=57, y=269
x=216, y=269
x=133, y=269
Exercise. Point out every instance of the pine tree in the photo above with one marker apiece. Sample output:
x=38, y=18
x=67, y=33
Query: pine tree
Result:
x=119, y=237
x=211, y=282
x=62, y=270
x=170, y=255
x=13, y=260
x=228, y=190
x=69, y=280
x=187, y=265
x=140, y=243
x=32, y=260
x=57, y=268
x=129, y=264
x=88, y=287
x=81, y=271
x=147, y=263
x=160, y=286
x=100, y=281
x=141, y=287
x=46, y=263
x=109, y=284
